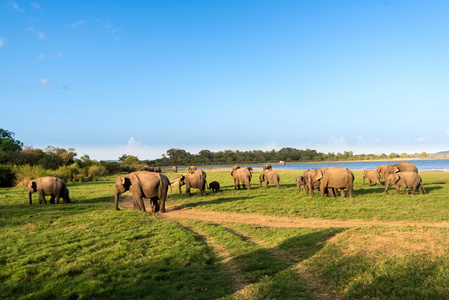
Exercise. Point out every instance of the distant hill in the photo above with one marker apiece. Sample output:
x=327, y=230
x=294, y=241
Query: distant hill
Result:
x=443, y=152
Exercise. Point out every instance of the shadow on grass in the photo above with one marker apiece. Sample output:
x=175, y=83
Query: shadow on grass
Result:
x=270, y=270
x=214, y=201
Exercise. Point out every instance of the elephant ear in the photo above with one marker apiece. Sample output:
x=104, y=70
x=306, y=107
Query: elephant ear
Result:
x=319, y=175
x=126, y=182
x=396, y=178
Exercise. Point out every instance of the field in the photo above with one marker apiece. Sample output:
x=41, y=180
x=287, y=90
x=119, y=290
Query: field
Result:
x=235, y=244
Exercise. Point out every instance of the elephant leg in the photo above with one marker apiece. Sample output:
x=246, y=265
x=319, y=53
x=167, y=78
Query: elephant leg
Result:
x=397, y=190
x=154, y=204
x=139, y=202
x=41, y=198
x=343, y=192
x=249, y=186
x=52, y=199
x=421, y=190
x=404, y=190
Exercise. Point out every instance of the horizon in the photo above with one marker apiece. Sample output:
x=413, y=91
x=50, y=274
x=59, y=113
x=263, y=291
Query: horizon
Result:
x=112, y=78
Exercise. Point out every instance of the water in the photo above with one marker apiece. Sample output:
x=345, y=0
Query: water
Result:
x=422, y=165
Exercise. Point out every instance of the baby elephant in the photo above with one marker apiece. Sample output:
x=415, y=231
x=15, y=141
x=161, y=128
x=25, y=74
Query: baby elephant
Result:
x=269, y=177
x=301, y=184
x=214, y=186
x=49, y=186
x=372, y=175
x=404, y=180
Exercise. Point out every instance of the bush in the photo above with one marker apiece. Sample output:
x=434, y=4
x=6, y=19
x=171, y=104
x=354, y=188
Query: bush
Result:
x=70, y=173
x=96, y=171
x=25, y=173
x=7, y=176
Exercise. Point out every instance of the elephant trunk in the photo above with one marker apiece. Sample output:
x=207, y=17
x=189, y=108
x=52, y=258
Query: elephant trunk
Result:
x=387, y=185
x=117, y=195
x=29, y=195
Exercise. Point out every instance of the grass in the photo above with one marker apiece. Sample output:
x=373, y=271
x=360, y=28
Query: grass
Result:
x=86, y=250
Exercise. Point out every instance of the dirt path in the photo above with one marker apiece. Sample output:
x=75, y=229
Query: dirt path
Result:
x=220, y=217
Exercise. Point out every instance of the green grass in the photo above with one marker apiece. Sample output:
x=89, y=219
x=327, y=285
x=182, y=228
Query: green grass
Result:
x=369, y=203
x=86, y=250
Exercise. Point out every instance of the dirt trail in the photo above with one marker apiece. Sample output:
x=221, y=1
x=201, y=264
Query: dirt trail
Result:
x=219, y=217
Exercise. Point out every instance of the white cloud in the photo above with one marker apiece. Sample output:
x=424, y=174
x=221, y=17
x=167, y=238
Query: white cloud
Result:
x=47, y=82
x=50, y=57
x=35, y=5
x=16, y=7
x=2, y=41
x=77, y=24
x=447, y=132
x=40, y=35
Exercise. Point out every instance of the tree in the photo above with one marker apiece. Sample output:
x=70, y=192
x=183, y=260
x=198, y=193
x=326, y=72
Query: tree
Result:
x=7, y=141
x=423, y=154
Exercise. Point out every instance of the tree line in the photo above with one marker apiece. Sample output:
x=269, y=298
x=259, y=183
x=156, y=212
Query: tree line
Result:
x=180, y=157
x=18, y=164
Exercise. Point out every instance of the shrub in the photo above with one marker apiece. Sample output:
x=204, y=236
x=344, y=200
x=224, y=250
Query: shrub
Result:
x=96, y=171
x=70, y=173
x=25, y=173
x=7, y=176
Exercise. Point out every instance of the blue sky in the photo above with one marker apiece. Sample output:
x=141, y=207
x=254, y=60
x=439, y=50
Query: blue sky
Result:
x=140, y=77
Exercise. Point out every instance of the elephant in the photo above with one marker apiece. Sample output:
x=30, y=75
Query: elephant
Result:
x=192, y=169
x=214, y=186
x=381, y=170
x=193, y=180
x=157, y=170
x=372, y=175
x=331, y=178
x=242, y=175
x=269, y=176
x=266, y=167
x=250, y=169
x=405, y=167
x=235, y=167
x=404, y=180
x=386, y=170
x=49, y=186
x=148, y=168
x=174, y=169
x=143, y=184
x=300, y=183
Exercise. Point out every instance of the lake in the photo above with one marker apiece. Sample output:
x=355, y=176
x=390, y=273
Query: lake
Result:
x=422, y=165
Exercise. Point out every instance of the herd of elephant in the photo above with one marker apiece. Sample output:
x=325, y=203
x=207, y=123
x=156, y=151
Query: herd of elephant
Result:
x=152, y=185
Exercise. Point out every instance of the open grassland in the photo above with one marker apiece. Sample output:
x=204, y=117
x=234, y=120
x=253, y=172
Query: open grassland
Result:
x=374, y=245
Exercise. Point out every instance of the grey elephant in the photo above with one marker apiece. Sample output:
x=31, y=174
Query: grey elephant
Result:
x=143, y=184
x=242, y=175
x=386, y=170
x=148, y=168
x=174, y=169
x=269, y=176
x=301, y=184
x=403, y=181
x=405, y=167
x=331, y=178
x=372, y=176
x=267, y=167
x=49, y=186
x=193, y=180
x=214, y=186
x=381, y=170
x=236, y=167
x=191, y=169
